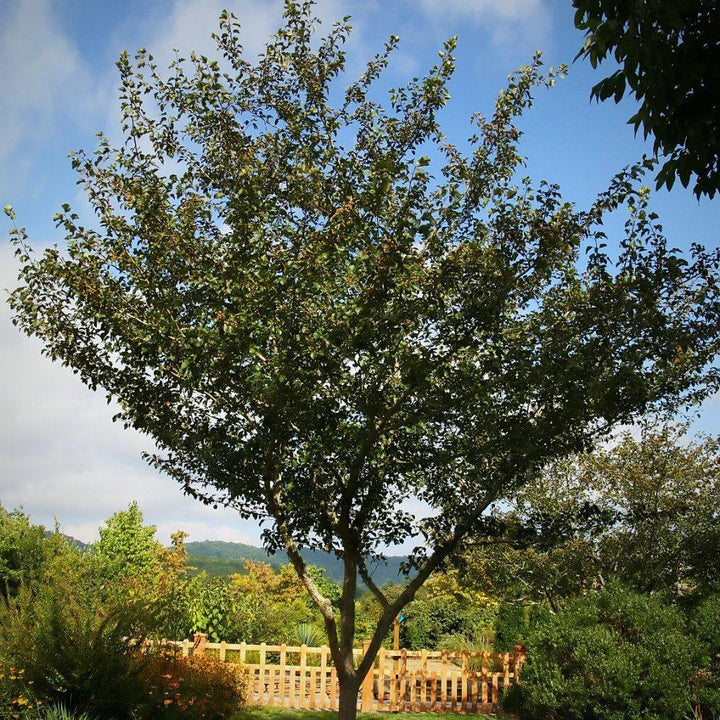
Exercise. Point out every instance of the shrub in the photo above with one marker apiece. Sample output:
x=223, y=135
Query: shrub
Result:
x=310, y=635
x=706, y=627
x=56, y=712
x=66, y=652
x=481, y=642
x=613, y=655
x=16, y=698
x=511, y=627
x=429, y=621
x=213, y=608
x=193, y=688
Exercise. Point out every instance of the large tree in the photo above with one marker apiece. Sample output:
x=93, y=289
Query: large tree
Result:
x=314, y=325
x=644, y=511
x=668, y=52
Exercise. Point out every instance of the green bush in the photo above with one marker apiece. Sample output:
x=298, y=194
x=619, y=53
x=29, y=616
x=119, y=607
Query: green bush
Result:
x=511, y=627
x=213, y=608
x=310, y=635
x=66, y=652
x=614, y=655
x=706, y=627
x=428, y=621
x=56, y=712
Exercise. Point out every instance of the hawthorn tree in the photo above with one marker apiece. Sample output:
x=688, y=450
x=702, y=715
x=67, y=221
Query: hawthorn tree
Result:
x=318, y=307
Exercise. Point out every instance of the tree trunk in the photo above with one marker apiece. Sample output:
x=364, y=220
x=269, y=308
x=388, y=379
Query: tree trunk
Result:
x=347, y=709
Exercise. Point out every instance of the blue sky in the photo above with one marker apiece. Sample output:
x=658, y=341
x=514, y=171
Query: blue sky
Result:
x=60, y=454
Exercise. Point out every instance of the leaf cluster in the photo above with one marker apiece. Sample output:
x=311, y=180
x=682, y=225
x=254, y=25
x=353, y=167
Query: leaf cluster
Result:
x=669, y=57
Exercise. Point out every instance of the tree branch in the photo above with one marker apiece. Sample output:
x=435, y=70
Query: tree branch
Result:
x=277, y=511
x=374, y=589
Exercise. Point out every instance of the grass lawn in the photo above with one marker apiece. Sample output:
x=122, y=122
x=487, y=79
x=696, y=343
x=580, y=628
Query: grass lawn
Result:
x=277, y=713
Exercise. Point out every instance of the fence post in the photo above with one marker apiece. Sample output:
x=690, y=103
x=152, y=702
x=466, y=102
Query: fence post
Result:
x=199, y=643
x=465, y=676
x=366, y=700
x=323, y=676
x=303, y=672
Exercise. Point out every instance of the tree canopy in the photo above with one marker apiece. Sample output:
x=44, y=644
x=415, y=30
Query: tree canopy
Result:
x=319, y=307
x=669, y=57
x=645, y=512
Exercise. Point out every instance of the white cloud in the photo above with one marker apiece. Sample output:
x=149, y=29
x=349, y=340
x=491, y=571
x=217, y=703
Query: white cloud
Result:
x=191, y=23
x=42, y=74
x=62, y=456
x=505, y=20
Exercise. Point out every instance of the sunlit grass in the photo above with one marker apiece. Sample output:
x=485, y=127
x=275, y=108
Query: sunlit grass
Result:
x=277, y=713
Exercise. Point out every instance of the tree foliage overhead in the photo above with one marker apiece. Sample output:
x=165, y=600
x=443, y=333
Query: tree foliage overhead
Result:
x=318, y=306
x=669, y=56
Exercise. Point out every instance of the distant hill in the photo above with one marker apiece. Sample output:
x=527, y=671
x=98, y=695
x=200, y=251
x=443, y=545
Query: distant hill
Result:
x=73, y=541
x=217, y=557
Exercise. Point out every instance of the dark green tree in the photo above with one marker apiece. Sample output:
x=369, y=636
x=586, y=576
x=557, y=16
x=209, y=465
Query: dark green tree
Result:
x=26, y=551
x=313, y=324
x=617, y=654
x=669, y=57
x=645, y=511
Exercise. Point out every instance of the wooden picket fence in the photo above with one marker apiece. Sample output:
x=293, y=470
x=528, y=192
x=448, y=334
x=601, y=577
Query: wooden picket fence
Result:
x=401, y=680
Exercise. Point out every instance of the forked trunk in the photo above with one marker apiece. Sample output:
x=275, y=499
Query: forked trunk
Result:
x=347, y=709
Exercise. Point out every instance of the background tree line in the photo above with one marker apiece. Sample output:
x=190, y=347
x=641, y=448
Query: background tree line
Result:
x=607, y=567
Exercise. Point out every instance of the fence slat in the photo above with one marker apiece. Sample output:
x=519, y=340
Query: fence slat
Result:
x=261, y=675
x=270, y=681
x=313, y=687
x=381, y=679
x=301, y=676
x=323, y=676
x=484, y=674
x=394, y=686
x=443, y=680
x=366, y=689
x=506, y=671
x=333, y=690
x=413, y=691
x=464, y=691
x=474, y=692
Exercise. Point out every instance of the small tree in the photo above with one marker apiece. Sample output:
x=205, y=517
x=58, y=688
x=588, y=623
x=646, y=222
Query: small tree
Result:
x=313, y=326
x=126, y=546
